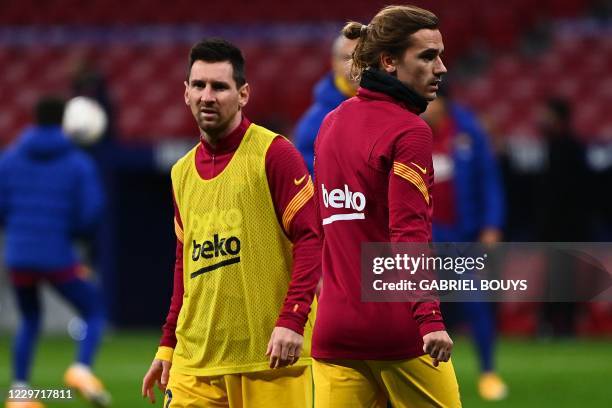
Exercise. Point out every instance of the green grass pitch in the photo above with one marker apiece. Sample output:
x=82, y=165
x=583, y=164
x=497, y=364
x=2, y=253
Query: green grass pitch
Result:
x=566, y=373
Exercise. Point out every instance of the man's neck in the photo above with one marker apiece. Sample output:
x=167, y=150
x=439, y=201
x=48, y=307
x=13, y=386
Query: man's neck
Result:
x=213, y=139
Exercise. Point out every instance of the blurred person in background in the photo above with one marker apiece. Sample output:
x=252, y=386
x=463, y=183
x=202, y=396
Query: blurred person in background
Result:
x=375, y=147
x=108, y=153
x=248, y=254
x=50, y=195
x=565, y=168
x=469, y=207
x=87, y=80
x=561, y=209
x=329, y=92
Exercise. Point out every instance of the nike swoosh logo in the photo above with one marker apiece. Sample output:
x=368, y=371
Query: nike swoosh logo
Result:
x=297, y=182
x=423, y=169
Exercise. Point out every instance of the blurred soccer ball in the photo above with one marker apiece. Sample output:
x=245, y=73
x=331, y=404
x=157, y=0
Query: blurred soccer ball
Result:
x=84, y=120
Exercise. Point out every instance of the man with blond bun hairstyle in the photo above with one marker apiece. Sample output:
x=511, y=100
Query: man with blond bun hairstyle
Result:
x=375, y=146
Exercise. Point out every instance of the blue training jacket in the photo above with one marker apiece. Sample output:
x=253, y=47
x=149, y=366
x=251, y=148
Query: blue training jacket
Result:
x=50, y=192
x=326, y=98
x=478, y=188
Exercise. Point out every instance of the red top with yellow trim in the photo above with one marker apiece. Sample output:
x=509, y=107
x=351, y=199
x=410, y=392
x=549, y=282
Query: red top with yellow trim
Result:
x=289, y=182
x=373, y=176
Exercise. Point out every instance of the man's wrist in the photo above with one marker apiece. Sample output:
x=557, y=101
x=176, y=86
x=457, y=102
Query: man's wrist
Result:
x=431, y=327
x=291, y=325
x=164, y=353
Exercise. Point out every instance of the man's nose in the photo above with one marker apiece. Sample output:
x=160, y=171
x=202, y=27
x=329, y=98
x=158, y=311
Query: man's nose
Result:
x=440, y=68
x=208, y=95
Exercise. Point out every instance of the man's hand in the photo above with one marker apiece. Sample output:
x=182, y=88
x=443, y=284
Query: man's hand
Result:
x=284, y=347
x=438, y=345
x=157, y=374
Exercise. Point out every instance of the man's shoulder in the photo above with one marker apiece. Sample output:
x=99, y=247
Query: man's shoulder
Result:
x=270, y=143
x=401, y=120
x=416, y=130
x=284, y=161
x=407, y=133
x=262, y=132
x=281, y=145
x=390, y=118
x=345, y=107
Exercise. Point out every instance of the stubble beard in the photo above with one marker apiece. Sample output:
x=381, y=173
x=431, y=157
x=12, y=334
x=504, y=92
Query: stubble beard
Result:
x=212, y=131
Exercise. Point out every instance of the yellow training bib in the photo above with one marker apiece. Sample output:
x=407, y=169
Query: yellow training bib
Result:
x=236, y=263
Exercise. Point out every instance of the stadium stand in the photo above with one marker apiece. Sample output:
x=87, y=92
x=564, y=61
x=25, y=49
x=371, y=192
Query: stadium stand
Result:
x=525, y=81
x=140, y=51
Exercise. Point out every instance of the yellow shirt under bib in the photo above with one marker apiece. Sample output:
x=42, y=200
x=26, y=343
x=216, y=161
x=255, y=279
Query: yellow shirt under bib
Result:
x=236, y=263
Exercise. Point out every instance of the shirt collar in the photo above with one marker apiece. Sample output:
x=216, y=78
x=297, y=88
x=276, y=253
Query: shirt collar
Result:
x=379, y=81
x=379, y=96
x=230, y=142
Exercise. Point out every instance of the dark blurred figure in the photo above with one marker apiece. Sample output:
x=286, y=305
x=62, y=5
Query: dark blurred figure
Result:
x=561, y=210
x=50, y=194
x=469, y=207
x=88, y=81
x=129, y=172
x=563, y=192
x=101, y=251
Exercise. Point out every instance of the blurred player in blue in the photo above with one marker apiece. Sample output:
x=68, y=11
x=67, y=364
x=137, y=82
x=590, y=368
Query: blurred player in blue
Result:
x=50, y=194
x=469, y=207
x=330, y=91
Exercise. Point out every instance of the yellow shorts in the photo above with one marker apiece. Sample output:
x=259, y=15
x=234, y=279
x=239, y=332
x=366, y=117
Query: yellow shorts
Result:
x=413, y=383
x=282, y=388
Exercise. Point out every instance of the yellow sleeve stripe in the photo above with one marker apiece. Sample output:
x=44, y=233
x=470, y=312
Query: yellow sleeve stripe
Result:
x=178, y=231
x=411, y=176
x=164, y=353
x=296, y=203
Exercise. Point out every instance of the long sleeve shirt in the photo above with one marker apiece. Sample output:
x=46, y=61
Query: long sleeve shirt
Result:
x=287, y=176
x=373, y=176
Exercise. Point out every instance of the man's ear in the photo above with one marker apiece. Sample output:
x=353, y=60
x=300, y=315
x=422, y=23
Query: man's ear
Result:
x=186, y=93
x=243, y=95
x=388, y=63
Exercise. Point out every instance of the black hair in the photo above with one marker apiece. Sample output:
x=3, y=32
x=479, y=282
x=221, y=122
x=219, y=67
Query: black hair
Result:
x=49, y=111
x=219, y=50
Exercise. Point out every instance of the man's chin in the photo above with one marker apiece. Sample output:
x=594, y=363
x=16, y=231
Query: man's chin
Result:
x=209, y=127
x=430, y=96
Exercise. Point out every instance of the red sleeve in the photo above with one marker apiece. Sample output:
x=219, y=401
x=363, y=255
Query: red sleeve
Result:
x=168, y=338
x=410, y=201
x=292, y=190
x=411, y=206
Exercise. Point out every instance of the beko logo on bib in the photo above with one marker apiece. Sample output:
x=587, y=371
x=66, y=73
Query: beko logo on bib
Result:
x=221, y=251
x=343, y=198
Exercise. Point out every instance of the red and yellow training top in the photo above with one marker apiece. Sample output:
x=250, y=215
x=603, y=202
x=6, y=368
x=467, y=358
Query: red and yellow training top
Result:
x=373, y=174
x=237, y=261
